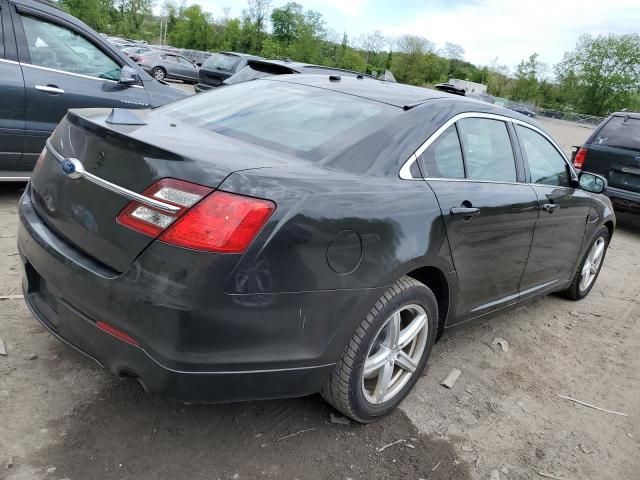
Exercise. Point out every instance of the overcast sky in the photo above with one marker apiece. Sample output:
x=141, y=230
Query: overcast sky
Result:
x=508, y=29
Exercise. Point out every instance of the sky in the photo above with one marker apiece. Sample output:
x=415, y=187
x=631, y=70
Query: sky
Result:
x=508, y=30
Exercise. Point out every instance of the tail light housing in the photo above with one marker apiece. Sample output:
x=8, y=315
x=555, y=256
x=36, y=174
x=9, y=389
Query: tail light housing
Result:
x=580, y=157
x=207, y=220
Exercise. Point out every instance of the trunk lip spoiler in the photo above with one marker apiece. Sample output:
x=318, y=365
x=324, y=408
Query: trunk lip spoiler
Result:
x=74, y=169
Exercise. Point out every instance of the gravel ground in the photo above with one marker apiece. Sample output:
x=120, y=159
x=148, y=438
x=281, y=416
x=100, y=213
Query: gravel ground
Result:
x=61, y=417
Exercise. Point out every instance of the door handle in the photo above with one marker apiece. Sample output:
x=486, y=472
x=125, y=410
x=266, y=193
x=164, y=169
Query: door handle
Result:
x=550, y=207
x=50, y=89
x=465, y=211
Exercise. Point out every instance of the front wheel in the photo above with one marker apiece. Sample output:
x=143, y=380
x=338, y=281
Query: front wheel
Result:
x=387, y=353
x=590, y=267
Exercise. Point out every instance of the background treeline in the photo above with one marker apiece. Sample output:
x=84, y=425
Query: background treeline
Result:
x=600, y=75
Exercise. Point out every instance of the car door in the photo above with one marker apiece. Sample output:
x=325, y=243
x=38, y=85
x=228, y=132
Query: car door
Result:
x=12, y=105
x=63, y=68
x=170, y=62
x=563, y=212
x=188, y=70
x=489, y=215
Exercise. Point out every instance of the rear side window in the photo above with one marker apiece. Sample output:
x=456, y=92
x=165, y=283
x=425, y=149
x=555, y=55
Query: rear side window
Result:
x=304, y=121
x=623, y=132
x=443, y=158
x=59, y=48
x=487, y=150
x=545, y=163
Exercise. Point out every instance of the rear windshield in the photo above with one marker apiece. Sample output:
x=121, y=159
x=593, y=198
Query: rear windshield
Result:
x=304, y=121
x=621, y=132
x=222, y=61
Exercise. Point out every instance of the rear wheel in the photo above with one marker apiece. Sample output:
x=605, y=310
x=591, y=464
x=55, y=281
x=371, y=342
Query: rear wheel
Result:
x=585, y=277
x=386, y=355
x=159, y=73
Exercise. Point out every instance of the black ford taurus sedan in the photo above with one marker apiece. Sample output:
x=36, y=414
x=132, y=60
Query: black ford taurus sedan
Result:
x=299, y=234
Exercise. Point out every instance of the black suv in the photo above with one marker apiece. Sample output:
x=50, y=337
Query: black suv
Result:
x=613, y=151
x=220, y=66
x=51, y=62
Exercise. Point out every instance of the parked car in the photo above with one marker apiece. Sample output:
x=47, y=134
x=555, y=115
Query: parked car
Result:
x=613, y=151
x=52, y=62
x=524, y=110
x=165, y=65
x=260, y=68
x=135, y=52
x=450, y=88
x=299, y=233
x=196, y=56
x=220, y=66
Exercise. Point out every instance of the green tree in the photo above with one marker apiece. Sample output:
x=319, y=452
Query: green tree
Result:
x=602, y=74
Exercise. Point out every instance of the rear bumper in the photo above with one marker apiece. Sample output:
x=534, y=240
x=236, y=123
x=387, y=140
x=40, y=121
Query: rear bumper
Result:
x=197, y=343
x=81, y=334
x=623, y=199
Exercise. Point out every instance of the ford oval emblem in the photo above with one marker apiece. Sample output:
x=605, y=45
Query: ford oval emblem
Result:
x=68, y=167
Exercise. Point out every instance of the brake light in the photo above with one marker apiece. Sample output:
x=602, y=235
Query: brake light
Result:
x=580, y=158
x=222, y=222
x=215, y=222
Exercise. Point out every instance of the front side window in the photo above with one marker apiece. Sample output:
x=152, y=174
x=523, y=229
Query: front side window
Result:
x=487, y=150
x=545, y=163
x=443, y=158
x=59, y=48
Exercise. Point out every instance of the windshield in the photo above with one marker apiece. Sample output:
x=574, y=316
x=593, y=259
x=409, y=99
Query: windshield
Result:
x=222, y=61
x=621, y=132
x=304, y=121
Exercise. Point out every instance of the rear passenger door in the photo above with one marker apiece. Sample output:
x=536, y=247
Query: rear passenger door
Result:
x=12, y=107
x=564, y=210
x=489, y=215
x=64, y=68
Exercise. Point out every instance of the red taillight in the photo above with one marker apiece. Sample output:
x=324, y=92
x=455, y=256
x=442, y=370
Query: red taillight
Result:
x=222, y=222
x=105, y=327
x=218, y=222
x=151, y=222
x=580, y=158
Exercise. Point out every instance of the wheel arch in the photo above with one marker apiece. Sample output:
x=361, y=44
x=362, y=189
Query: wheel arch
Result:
x=437, y=281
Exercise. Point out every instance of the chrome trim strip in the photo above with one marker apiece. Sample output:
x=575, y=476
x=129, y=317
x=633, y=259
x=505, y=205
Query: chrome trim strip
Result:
x=515, y=296
x=80, y=172
x=14, y=179
x=405, y=170
x=47, y=69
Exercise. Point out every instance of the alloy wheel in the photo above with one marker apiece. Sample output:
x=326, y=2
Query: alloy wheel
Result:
x=592, y=264
x=395, y=354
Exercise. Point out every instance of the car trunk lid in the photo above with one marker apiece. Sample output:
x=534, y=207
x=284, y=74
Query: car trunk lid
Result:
x=132, y=157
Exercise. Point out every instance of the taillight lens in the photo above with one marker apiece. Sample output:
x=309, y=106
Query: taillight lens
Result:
x=218, y=222
x=222, y=222
x=151, y=222
x=580, y=157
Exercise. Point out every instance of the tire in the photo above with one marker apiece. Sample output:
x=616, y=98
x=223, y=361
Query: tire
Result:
x=361, y=397
x=577, y=290
x=159, y=73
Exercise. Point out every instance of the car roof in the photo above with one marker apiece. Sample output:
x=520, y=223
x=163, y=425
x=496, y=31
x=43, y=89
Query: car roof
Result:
x=237, y=54
x=396, y=94
x=634, y=115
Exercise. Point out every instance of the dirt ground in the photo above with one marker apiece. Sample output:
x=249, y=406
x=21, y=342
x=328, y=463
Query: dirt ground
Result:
x=62, y=417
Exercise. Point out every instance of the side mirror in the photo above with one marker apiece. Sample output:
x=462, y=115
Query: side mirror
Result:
x=593, y=183
x=128, y=76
